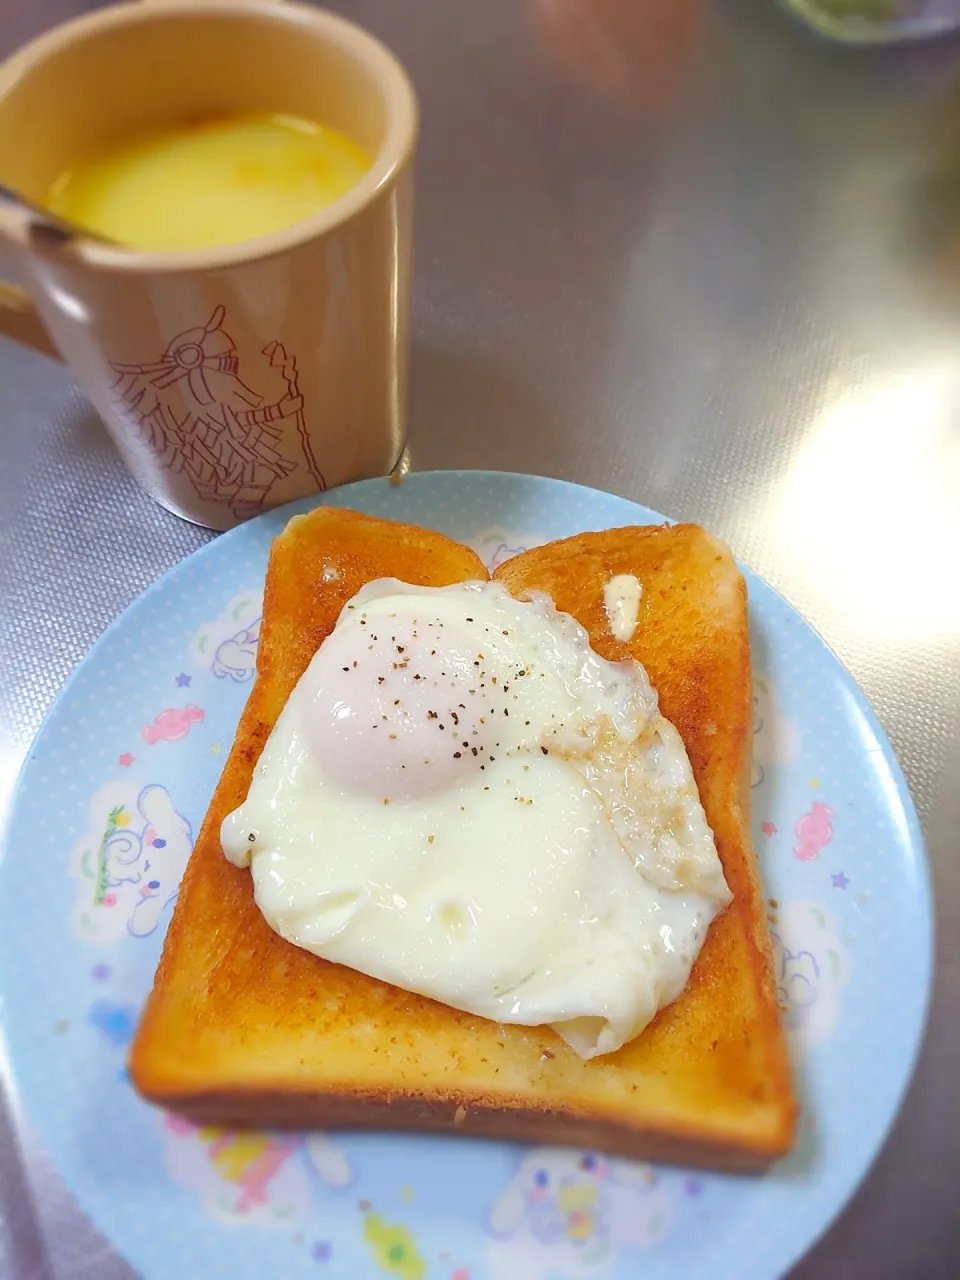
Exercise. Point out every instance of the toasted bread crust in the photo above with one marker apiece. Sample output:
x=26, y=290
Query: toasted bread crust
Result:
x=692, y=637
x=244, y=1029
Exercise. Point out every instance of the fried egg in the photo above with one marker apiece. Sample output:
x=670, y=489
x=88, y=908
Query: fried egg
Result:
x=463, y=799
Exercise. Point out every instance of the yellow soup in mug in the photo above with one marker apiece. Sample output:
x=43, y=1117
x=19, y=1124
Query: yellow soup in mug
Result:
x=214, y=183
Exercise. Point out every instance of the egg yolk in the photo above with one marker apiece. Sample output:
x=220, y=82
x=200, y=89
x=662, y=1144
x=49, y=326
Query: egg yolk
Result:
x=407, y=713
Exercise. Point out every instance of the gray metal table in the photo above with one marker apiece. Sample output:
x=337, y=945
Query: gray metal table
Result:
x=716, y=271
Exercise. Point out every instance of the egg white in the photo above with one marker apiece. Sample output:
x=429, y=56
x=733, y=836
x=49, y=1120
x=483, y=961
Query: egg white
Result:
x=544, y=859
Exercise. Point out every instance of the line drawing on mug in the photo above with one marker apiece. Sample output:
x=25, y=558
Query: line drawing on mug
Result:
x=200, y=419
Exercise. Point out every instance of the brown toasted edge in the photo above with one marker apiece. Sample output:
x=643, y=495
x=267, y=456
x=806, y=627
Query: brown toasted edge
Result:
x=779, y=1065
x=407, y=1112
x=755, y=924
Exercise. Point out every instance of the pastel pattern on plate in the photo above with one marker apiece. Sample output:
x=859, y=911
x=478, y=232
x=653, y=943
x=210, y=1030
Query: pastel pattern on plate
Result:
x=103, y=820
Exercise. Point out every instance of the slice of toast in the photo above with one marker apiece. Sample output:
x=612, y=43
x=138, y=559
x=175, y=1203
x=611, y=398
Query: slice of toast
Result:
x=242, y=1028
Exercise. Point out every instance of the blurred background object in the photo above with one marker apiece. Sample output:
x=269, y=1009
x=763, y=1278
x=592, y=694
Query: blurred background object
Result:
x=633, y=52
x=879, y=21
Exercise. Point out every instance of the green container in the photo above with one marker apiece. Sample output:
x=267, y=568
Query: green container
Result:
x=878, y=21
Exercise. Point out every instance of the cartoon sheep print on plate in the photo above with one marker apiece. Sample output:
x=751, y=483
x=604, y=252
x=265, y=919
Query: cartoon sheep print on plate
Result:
x=496, y=546
x=228, y=646
x=252, y=1176
x=565, y=1213
x=129, y=863
x=811, y=969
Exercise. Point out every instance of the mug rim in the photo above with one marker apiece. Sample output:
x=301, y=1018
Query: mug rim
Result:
x=393, y=154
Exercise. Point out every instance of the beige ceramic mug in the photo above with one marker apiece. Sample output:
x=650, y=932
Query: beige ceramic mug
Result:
x=237, y=378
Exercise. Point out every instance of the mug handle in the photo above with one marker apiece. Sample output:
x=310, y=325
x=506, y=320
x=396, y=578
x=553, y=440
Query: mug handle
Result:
x=19, y=320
